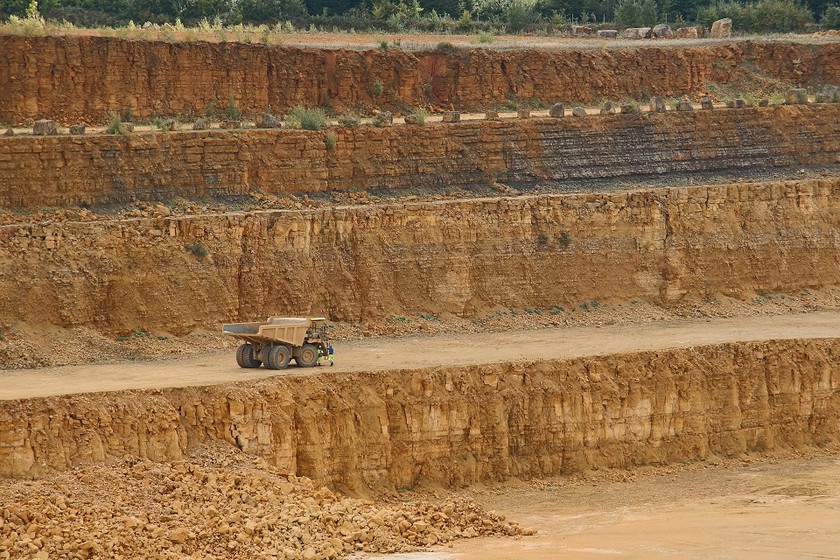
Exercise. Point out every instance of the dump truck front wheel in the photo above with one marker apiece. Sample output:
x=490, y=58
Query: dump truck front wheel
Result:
x=308, y=356
x=278, y=357
x=246, y=357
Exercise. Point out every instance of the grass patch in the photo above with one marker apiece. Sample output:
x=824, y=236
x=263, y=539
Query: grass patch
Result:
x=115, y=123
x=330, y=141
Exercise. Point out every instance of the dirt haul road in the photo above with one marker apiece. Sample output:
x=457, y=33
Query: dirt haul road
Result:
x=426, y=352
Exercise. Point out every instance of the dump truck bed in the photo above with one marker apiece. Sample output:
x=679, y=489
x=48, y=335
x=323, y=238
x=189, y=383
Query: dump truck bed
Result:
x=288, y=330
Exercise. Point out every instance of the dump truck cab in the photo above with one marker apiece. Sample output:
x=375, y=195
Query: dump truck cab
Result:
x=278, y=340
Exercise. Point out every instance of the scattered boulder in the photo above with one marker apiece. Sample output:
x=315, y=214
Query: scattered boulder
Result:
x=9, y=132
x=607, y=33
x=78, y=129
x=411, y=119
x=201, y=123
x=557, y=110
x=706, y=103
x=582, y=31
x=797, y=96
x=579, y=112
x=662, y=31
x=691, y=32
x=349, y=121
x=739, y=103
x=44, y=127
x=523, y=114
x=629, y=108
x=148, y=25
x=491, y=115
x=657, y=105
x=829, y=94
x=721, y=29
x=637, y=33
x=229, y=125
x=684, y=105
x=128, y=127
x=266, y=120
x=609, y=108
x=763, y=102
x=452, y=116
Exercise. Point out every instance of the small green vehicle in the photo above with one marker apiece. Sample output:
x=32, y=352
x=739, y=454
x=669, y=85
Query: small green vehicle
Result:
x=278, y=340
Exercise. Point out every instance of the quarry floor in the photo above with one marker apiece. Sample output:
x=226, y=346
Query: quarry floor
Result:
x=748, y=508
x=416, y=352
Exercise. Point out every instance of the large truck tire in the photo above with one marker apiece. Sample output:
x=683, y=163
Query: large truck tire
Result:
x=246, y=357
x=278, y=357
x=308, y=355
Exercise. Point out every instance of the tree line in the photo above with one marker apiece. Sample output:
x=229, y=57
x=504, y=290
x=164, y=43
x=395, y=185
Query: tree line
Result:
x=446, y=16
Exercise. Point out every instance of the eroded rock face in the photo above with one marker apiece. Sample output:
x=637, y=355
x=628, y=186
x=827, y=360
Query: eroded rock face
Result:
x=86, y=74
x=691, y=32
x=214, y=163
x=44, y=127
x=361, y=262
x=459, y=425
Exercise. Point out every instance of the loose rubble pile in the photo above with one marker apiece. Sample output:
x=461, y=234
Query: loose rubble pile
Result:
x=223, y=506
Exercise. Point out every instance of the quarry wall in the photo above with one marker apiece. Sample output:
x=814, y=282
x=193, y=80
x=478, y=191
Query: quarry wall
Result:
x=459, y=425
x=81, y=78
x=41, y=171
x=177, y=274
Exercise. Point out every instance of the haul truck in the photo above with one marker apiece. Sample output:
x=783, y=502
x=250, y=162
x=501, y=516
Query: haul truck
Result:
x=278, y=340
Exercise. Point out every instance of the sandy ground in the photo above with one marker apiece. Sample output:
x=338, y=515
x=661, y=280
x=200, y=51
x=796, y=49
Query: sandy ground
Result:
x=741, y=509
x=424, y=352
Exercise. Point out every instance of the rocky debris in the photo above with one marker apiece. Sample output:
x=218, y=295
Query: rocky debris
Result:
x=829, y=94
x=266, y=120
x=491, y=115
x=230, y=125
x=451, y=116
x=201, y=123
x=579, y=112
x=44, y=127
x=582, y=31
x=739, y=103
x=691, y=32
x=662, y=31
x=637, y=33
x=557, y=110
x=607, y=33
x=349, y=121
x=796, y=96
x=9, y=132
x=721, y=29
x=707, y=104
x=657, y=105
x=128, y=127
x=222, y=505
x=78, y=129
x=609, y=108
x=763, y=102
x=523, y=114
x=629, y=108
x=684, y=105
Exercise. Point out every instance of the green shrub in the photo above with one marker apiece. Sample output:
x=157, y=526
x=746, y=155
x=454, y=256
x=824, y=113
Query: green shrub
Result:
x=349, y=121
x=445, y=47
x=196, y=249
x=831, y=17
x=115, y=123
x=330, y=140
x=307, y=118
x=233, y=111
x=420, y=116
x=377, y=88
x=483, y=38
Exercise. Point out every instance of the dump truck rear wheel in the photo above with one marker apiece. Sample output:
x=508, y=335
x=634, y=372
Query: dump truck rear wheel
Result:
x=308, y=356
x=278, y=357
x=246, y=357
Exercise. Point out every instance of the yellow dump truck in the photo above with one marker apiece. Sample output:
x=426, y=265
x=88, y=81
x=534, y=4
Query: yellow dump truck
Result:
x=278, y=340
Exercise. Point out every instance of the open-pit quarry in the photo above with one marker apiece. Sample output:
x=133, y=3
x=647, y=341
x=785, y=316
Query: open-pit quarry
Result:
x=556, y=337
